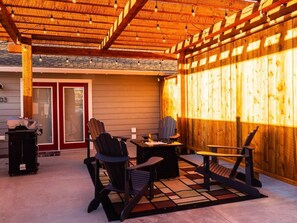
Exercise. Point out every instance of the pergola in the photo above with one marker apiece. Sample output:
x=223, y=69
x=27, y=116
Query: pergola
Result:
x=154, y=29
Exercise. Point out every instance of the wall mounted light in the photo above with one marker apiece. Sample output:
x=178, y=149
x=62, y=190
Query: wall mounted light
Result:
x=156, y=7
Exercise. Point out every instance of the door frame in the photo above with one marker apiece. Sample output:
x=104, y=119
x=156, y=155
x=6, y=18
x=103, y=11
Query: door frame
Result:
x=62, y=80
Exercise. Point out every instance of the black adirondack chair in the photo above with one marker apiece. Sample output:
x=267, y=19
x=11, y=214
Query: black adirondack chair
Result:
x=167, y=131
x=245, y=182
x=130, y=180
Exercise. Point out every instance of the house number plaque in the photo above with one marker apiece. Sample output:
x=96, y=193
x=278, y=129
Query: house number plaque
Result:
x=3, y=99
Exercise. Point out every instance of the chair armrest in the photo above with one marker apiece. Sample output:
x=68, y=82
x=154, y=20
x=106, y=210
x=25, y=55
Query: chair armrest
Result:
x=111, y=159
x=224, y=147
x=150, y=162
x=123, y=138
x=175, y=137
x=206, y=153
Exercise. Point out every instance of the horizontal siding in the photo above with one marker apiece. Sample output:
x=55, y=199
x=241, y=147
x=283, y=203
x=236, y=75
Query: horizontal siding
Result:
x=12, y=108
x=123, y=102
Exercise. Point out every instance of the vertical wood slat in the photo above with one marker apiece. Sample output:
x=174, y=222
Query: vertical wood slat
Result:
x=27, y=80
x=264, y=80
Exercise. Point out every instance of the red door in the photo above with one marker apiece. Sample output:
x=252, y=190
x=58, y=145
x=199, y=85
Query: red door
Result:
x=45, y=112
x=73, y=115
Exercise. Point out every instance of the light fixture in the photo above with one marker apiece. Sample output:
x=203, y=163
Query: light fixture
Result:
x=156, y=6
x=116, y=62
x=44, y=30
x=90, y=21
x=91, y=61
x=137, y=38
x=12, y=13
x=77, y=33
x=158, y=26
x=17, y=40
x=164, y=40
x=193, y=12
x=67, y=61
x=52, y=18
x=40, y=59
x=138, y=62
x=115, y=5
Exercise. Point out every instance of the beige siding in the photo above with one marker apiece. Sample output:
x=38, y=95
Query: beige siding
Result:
x=11, y=108
x=121, y=102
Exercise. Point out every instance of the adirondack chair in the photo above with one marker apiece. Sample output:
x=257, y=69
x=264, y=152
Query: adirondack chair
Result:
x=245, y=182
x=96, y=127
x=166, y=131
x=130, y=180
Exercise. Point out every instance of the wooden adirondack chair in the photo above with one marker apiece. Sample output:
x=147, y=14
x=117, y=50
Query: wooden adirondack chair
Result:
x=131, y=181
x=95, y=127
x=166, y=131
x=211, y=168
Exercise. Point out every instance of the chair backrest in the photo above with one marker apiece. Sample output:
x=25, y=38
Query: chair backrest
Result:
x=250, y=137
x=167, y=127
x=246, y=143
x=96, y=127
x=114, y=148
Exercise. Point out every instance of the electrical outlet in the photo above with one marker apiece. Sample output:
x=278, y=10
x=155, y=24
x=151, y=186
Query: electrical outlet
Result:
x=133, y=130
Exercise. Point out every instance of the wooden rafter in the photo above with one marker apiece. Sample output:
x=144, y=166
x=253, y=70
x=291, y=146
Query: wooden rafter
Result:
x=92, y=52
x=130, y=10
x=7, y=23
x=209, y=33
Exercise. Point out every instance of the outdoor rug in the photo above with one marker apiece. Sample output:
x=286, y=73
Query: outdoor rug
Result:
x=180, y=193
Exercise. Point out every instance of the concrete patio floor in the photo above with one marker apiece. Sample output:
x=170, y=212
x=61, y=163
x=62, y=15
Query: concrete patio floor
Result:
x=62, y=189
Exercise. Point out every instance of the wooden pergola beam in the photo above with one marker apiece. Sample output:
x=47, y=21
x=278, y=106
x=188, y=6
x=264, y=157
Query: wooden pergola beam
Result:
x=206, y=34
x=64, y=38
x=8, y=24
x=129, y=12
x=93, y=52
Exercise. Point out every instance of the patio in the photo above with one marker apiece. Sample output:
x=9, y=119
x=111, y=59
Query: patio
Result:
x=61, y=191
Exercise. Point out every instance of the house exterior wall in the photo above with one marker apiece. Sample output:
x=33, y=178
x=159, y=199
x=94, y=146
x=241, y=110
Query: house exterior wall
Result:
x=120, y=101
x=9, y=104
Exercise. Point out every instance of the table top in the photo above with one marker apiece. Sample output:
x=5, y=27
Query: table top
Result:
x=144, y=144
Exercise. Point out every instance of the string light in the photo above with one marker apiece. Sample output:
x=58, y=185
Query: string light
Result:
x=156, y=7
x=158, y=26
x=226, y=14
x=138, y=62
x=40, y=59
x=17, y=40
x=137, y=38
x=52, y=18
x=67, y=61
x=115, y=5
x=90, y=21
x=91, y=61
x=77, y=33
x=44, y=30
x=193, y=12
x=164, y=40
x=12, y=13
x=116, y=62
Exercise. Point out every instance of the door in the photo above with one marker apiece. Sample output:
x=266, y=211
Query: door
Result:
x=73, y=115
x=45, y=112
x=62, y=111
